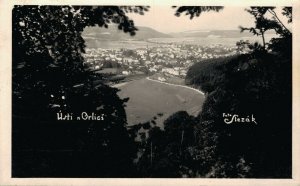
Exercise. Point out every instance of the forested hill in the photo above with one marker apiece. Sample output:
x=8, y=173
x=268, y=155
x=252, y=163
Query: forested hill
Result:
x=114, y=34
x=254, y=85
x=207, y=74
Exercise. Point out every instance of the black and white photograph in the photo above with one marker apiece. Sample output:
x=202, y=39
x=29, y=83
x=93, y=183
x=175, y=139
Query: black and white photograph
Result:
x=151, y=91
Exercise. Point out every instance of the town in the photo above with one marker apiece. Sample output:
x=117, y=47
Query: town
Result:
x=167, y=62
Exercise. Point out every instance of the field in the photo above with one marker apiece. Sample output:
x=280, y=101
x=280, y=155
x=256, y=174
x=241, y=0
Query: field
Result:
x=169, y=79
x=159, y=42
x=148, y=98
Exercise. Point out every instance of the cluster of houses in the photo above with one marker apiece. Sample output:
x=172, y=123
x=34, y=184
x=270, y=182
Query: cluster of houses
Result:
x=172, y=59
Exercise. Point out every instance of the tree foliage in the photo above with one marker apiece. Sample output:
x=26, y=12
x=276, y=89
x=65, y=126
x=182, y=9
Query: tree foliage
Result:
x=264, y=24
x=167, y=152
x=258, y=83
x=195, y=11
x=49, y=78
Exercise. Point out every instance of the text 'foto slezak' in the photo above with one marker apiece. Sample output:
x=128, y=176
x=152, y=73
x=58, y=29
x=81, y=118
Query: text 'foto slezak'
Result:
x=235, y=118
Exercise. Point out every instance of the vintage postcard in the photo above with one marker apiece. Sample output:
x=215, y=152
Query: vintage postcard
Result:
x=138, y=92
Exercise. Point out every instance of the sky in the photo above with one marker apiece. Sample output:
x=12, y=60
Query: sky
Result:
x=162, y=18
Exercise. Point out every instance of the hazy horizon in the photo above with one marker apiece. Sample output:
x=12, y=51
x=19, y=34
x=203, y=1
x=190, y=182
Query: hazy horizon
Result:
x=162, y=19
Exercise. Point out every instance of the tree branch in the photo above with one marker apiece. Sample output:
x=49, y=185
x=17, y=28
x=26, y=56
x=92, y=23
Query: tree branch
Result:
x=275, y=15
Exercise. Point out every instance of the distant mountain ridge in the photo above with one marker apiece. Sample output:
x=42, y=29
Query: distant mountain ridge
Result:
x=212, y=33
x=215, y=33
x=113, y=33
x=111, y=37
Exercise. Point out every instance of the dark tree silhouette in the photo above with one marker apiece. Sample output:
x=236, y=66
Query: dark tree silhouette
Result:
x=257, y=83
x=264, y=24
x=193, y=11
x=49, y=78
x=167, y=152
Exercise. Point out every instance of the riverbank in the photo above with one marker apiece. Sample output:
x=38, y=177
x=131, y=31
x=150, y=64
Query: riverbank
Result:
x=183, y=86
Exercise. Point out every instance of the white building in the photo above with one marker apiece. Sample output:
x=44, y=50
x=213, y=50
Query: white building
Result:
x=161, y=79
x=125, y=72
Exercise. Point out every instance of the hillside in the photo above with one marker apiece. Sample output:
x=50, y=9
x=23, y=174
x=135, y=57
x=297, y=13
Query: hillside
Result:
x=112, y=33
x=207, y=74
x=212, y=33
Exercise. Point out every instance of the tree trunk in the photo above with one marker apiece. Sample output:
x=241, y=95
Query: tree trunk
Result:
x=182, y=134
x=263, y=38
x=151, y=158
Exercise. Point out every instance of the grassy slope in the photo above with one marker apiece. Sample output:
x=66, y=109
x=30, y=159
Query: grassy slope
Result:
x=148, y=98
